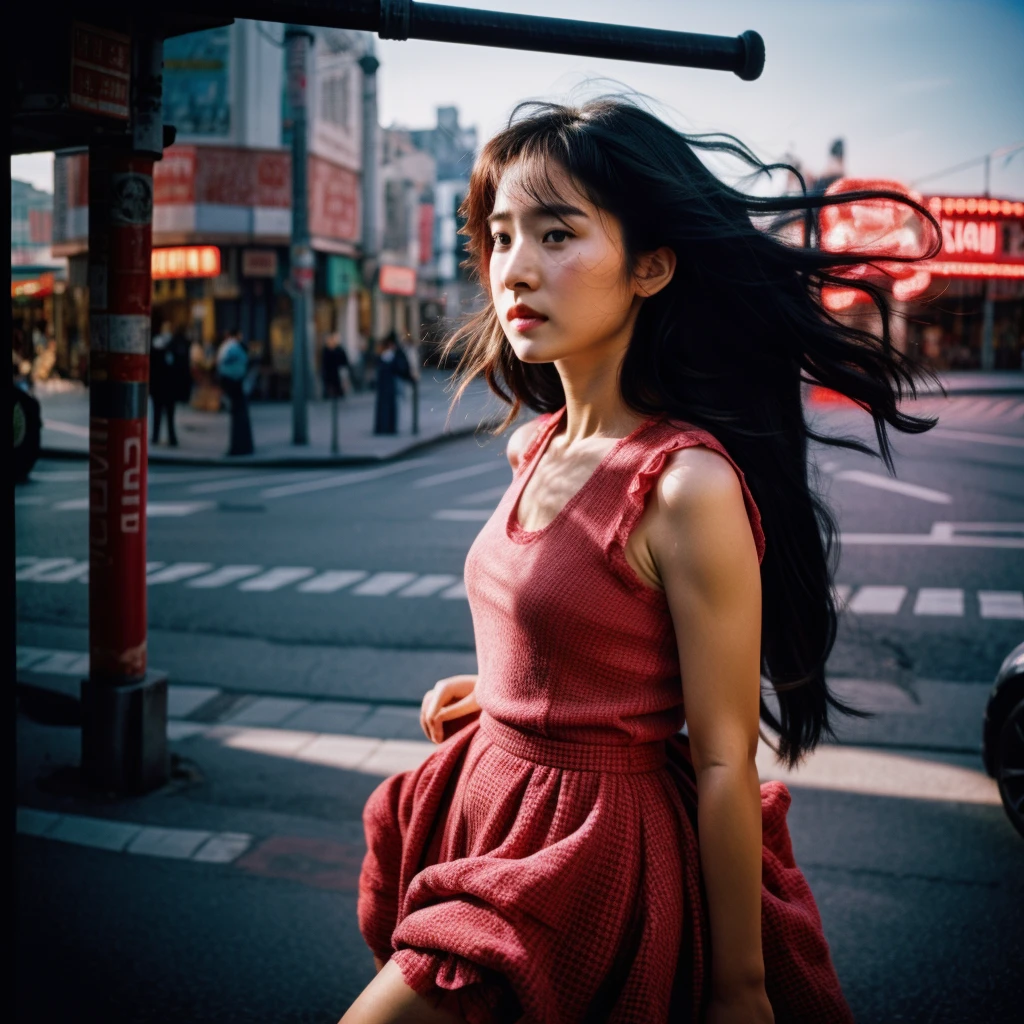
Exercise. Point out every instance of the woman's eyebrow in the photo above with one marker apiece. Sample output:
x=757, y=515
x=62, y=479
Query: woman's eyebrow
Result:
x=558, y=210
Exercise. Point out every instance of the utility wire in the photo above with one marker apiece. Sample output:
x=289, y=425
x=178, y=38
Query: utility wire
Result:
x=1008, y=151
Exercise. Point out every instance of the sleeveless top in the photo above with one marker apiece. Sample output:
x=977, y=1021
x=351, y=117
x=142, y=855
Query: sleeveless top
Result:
x=571, y=643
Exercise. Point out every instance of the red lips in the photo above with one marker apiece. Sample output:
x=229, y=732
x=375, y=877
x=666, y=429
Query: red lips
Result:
x=520, y=311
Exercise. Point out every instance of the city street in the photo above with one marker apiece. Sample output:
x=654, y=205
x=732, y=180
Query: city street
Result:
x=300, y=614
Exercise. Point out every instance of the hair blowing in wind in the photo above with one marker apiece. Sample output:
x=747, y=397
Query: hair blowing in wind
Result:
x=727, y=346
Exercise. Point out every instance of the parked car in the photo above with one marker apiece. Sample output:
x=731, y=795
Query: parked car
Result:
x=28, y=426
x=1002, y=738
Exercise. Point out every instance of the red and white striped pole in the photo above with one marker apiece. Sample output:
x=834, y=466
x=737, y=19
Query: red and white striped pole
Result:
x=124, y=706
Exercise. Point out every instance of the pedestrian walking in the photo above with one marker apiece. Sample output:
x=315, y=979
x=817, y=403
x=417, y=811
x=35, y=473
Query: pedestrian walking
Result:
x=167, y=364
x=392, y=366
x=567, y=853
x=232, y=366
x=333, y=360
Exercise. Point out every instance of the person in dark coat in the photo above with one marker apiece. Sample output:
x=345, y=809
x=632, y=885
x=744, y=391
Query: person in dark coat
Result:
x=392, y=365
x=232, y=367
x=332, y=361
x=163, y=382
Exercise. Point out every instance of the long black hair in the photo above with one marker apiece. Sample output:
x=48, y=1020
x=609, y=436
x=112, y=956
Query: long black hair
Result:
x=728, y=346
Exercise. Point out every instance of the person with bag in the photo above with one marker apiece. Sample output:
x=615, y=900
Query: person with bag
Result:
x=232, y=366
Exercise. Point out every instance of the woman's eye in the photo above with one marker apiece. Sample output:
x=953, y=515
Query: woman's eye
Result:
x=500, y=238
x=557, y=236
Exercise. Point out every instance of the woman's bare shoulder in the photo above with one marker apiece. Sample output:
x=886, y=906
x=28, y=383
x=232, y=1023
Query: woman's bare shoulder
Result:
x=520, y=440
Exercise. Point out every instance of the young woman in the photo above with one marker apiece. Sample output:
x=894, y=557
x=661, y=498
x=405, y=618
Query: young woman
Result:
x=659, y=552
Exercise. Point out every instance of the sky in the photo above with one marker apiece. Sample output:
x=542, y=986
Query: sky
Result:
x=912, y=86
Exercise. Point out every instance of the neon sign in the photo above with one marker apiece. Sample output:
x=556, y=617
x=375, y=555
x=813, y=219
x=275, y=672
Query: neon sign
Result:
x=186, y=261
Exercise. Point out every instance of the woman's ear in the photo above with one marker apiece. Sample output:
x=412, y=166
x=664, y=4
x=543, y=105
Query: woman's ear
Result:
x=654, y=270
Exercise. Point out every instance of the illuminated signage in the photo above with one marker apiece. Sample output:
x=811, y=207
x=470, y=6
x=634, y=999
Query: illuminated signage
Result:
x=397, y=280
x=36, y=288
x=981, y=237
x=186, y=261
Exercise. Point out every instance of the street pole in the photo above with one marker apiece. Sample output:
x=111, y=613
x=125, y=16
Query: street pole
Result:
x=297, y=40
x=988, y=352
x=369, y=64
x=124, y=705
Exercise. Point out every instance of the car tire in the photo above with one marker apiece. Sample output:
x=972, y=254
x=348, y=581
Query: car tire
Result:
x=1010, y=766
x=27, y=433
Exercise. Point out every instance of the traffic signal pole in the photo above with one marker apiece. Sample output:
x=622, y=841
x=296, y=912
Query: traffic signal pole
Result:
x=124, y=704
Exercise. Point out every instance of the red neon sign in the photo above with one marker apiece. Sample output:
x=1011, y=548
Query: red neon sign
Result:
x=880, y=228
x=186, y=261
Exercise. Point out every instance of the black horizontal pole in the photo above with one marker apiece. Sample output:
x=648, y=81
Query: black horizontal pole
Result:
x=404, y=19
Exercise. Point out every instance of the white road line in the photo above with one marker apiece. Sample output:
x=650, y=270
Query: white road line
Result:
x=41, y=566
x=1001, y=604
x=842, y=595
x=1017, y=413
x=19, y=501
x=275, y=579
x=65, y=428
x=332, y=580
x=144, y=840
x=997, y=409
x=427, y=585
x=223, y=576
x=478, y=497
x=26, y=656
x=154, y=509
x=456, y=593
x=974, y=437
x=71, y=572
x=885, y=483
x=238, y=482
x=939, y=601
x=949, y=535
x=460, y=474
x=464, y=515
x=877, y=600
x=343, y=480
x=176, y=572
x=382, y=583
x=60, y=476
x=63, y=663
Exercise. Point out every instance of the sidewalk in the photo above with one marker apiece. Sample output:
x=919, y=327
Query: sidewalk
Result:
x=203, y=436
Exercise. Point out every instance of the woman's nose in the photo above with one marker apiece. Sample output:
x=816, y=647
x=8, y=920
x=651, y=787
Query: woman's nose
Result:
x=520, y=269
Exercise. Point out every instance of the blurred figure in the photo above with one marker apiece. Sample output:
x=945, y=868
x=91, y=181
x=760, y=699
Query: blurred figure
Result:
x=232, y=366
x=163, y=384
x=332, y=361
x=392, y=365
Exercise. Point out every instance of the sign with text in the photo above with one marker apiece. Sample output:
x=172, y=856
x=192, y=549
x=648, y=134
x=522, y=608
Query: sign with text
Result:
x=100, y=71
x=186, y=261
x=397, y=280
x=981, y=237
x=259, y=263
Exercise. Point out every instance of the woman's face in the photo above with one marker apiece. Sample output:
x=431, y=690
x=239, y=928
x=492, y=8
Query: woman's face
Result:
x=558, y=274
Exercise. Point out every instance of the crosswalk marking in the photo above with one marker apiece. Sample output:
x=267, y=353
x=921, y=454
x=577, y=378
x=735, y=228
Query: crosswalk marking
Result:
x=842, y=595
x=332, y=580
x=41, y=566
x=176, y=572
x=1001, y=604
x=72, y=572
x=223, y=576
x=275, y=579
x=939, y=601
x=464, y=515
x=383, y=583
x=154, y=509
x=479, y=497
x=240, y=482
x=460, y=474
x=877, y=600
x=427, y=585
x=456, y=592
x=886, y=483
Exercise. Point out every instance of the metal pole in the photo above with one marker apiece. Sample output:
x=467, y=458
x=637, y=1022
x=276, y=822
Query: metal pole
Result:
x=369, y=64
x=124, y=706
x=297, y=40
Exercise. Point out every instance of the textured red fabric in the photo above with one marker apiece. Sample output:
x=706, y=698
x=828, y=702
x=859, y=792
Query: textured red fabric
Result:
x=542, y=864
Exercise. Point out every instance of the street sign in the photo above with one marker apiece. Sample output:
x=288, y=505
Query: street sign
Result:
x=100, y=68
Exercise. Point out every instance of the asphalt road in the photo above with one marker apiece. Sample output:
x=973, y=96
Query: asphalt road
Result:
x=919, y=895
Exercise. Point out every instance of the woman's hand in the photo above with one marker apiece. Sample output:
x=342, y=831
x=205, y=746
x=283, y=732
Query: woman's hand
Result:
x=744, y=1005
x=450, y=698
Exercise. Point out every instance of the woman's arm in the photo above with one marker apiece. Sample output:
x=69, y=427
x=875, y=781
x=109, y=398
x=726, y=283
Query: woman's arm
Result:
x=700, y=540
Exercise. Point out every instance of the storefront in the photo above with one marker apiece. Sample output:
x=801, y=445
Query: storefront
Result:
x=39, y=334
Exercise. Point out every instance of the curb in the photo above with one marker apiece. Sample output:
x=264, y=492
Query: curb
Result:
x=282, y=461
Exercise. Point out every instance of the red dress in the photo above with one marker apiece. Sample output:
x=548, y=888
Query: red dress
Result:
x=543, y=860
